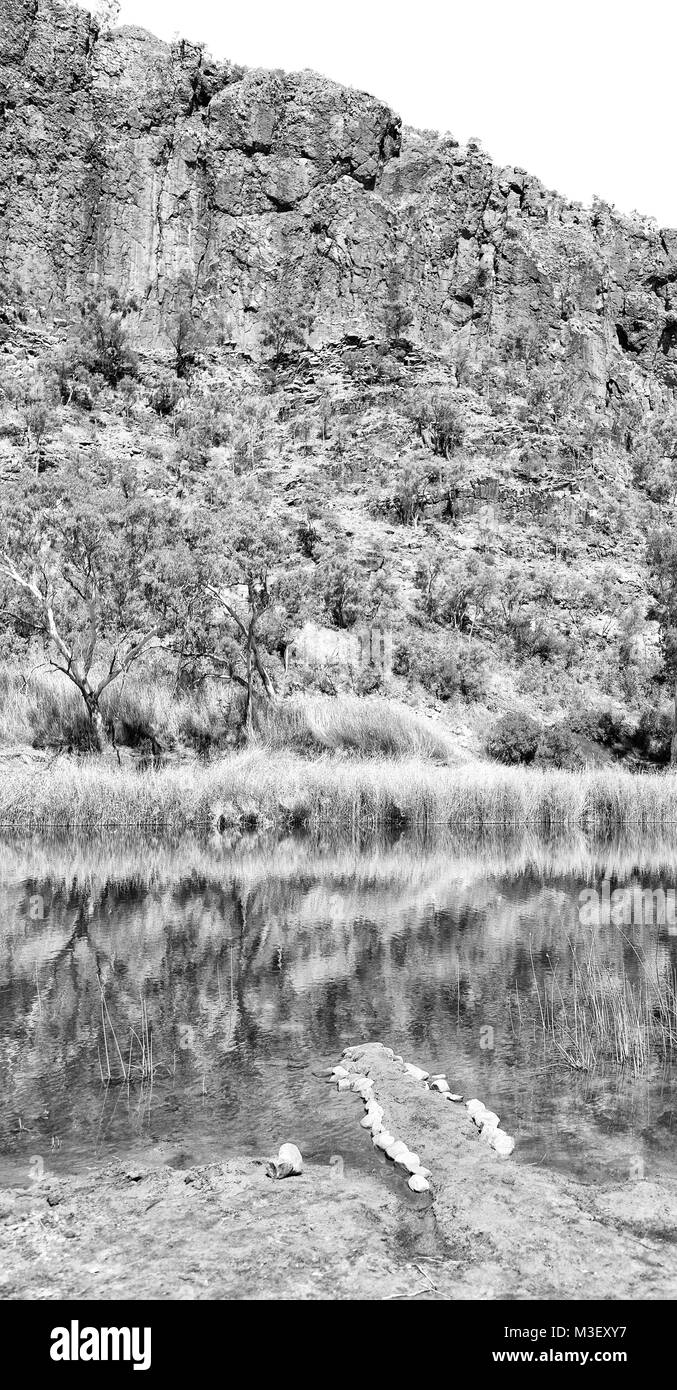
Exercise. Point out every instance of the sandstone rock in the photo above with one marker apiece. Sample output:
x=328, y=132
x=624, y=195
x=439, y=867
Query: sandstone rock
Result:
x=127, y=161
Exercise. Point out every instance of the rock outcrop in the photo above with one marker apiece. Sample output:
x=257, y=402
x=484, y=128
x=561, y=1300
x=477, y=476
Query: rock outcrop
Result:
x=128, y=163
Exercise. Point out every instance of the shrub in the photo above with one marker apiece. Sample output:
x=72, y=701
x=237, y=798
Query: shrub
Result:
x=445, y=668
x=438, y=421
x=558, y=747
x=188, y=339
x=411, y=493
x=165, y=395
x=397, y=319
x=105, y=347
x=75, y=383
x=514, y=738
x=654, y=733
x=285, y=327
x=250, y=436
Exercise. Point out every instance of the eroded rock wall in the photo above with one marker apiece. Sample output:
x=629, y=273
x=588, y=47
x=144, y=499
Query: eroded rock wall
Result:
x=126, y=162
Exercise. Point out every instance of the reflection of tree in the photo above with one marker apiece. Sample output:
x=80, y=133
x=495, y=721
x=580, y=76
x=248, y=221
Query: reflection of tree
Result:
x=251, y=961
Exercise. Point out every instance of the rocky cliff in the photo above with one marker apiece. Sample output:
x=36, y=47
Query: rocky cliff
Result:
x=129, y=163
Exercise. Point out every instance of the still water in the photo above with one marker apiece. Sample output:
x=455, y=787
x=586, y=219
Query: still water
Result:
x=251, y=965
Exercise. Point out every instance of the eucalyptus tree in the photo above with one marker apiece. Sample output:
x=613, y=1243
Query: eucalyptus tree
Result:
x=93, y=567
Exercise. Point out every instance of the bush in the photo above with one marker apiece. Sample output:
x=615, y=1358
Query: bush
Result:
x=286, y=326
x=558, y=747
x=188, y=339
x=106, y=350
x=514, y=739
x=440, y=426
x=654, y=733
x=445, y=668
x=397, y=319
x=75, y=383
x=411, y=493
x=165, y=395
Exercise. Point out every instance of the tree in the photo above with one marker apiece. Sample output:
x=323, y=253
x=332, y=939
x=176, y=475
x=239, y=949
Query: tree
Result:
x=285, y=326
x=662, y=558
x=439, y=425
x=349, y=593
x=242, y=558
x=102, y=346
x=397, y=318
x=187, y=338
x=411, y=494
x=91, y=567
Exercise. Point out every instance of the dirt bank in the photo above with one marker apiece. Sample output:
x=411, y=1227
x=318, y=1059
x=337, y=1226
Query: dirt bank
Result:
x=488, y=1227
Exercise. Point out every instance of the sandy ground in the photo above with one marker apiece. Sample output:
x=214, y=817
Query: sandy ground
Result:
x=489, y=1228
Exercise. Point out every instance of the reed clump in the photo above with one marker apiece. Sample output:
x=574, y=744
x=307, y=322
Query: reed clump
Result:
x=136, y=1064
x=602, y=1017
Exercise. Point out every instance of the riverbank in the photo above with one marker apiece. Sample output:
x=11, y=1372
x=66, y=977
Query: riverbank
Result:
x=488, y=1228
x=281, y=790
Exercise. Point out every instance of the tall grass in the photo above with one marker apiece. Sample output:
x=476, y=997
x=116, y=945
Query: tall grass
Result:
x=604, y=1017
x=279, y=789
x=44, y=710
x=370, y=727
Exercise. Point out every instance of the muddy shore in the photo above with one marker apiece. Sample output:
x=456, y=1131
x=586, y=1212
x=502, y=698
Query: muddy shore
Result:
x=489, y=1228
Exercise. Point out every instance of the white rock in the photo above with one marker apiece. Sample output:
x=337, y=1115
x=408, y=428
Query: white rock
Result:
x=475, y=1108
x=451, y=1096
x=290, y=1154
x=440, y=1085
x=383, y=1140
x=397, y=1058
x=397, y=1148
x=339, y=1071
x=417, y=1072
x=389, y=1053
x=489, y=1120
x=425, y=1172
x=366, y=1121
x=418, y=1183
x=502, y=1142
x=376, y=1126
x=344, y=1083
x=409, y=1160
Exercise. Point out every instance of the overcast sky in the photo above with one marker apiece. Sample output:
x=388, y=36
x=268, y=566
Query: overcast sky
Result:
x=582, y=93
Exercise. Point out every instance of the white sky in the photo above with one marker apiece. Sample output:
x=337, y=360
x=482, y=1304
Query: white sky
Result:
x=582, y=93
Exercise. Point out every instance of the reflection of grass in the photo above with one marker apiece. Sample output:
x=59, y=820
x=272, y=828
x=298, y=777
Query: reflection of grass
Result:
x=282, y=789
x=139, y=1065
x=602, y=1017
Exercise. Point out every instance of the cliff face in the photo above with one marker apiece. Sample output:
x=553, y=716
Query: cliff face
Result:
x=125, y=162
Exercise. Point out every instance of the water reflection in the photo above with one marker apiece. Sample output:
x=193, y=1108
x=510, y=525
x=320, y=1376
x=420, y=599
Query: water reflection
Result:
x=257, y=962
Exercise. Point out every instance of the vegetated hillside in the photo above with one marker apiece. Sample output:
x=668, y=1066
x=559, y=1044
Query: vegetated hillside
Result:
x=441, y=396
